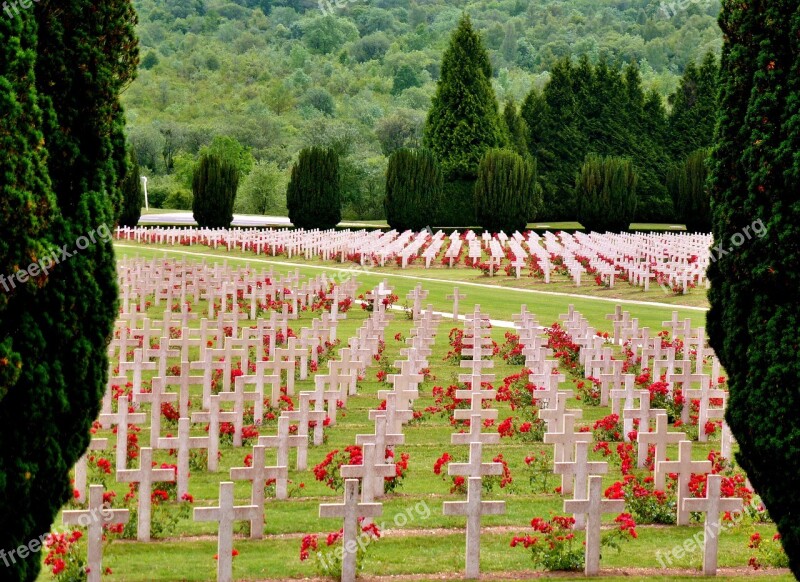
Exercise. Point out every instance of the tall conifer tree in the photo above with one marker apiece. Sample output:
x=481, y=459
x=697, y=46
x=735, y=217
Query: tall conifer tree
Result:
x=755, y=201
x=53, y=365
x=464, y=121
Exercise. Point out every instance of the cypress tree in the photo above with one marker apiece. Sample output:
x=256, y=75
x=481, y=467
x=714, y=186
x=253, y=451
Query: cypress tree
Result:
x=314, y=197
x=506, y=194
x=53, y=365
x=214, y=186
x=516, y=129
x=606, y=193
x=694, y=108
x=755, y=275
x=556, y=139
x=688, y=188
x=463, y=122
x=132, y=193
x=413, y=189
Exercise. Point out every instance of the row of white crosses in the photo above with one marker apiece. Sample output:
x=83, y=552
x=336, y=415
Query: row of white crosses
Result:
x=682, y=257
x=364, y=482
x=477, y=345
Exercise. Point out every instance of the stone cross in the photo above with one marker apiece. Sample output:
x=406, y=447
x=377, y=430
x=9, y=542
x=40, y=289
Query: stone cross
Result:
x=122, y=419
x=184, y=381
x=372, y=471
x=382, y=440
x=80, y=468
x=258, y=474
x=475, y=435
x=283, y=441
x=455, y=298
x=145, y=476
x=642, y=413
x=225, y=514
x=351, y=510
x=395, y=417
x=554, y=417
x=578, y=471
x=214, y=417
x=565, y=440
x=684, y=467
x=94, y=519
x=474, y=507
x=476, y=398
x=304, y=416
x=183, y=443
x=661, y=437
x=712, y=505
x=593, y=507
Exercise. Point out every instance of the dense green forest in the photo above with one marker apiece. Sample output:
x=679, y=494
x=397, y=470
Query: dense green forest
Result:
x=258, y=80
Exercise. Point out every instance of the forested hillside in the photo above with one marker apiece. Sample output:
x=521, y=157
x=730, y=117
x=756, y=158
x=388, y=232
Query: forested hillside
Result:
x=260, y=79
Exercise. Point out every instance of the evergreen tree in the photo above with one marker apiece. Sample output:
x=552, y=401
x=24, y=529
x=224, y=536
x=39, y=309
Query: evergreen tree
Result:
x=314, y=197
x=556, y=140
x=463, y=122
x=56, y=326
x=413, y=189
x=694, y=108
x=515, y=128
x=132, y=194
x=214, y=187
x=755, y=202
x=606, y=193
x=506, y=194
x=688, y=188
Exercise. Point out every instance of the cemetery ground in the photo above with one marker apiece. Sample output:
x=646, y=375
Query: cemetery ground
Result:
x=419, y=542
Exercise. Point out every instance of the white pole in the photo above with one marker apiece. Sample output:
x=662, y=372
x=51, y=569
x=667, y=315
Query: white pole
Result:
x=144, y=185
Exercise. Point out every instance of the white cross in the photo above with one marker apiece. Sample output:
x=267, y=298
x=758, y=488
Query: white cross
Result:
x=283, y=441
x=258, y=474
x=684, y=467
x=351, y=510
x=593, y=507
x=183, y=443
x=122, y=419
x=80, y=468
x=455, y=298
x=712, y=505
x=473, y=508
x=145, y=476
x=565, y=439
x=576, y=472
x=94, y=519
x=642, y=413
x=661, y=437
x=371, y=472
x=475, y=435
x=225, y=514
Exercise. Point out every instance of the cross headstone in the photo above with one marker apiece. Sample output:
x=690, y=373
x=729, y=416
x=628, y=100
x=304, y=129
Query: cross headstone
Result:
x=661, y=437
x=455, y=298
x=593, y=507
x=474, y=507
x=577, y=471
x=684, y=467
x=122, y=419
x=225, y=514
x=565, y=440
x=258, y=474
x=283, y=441
x=372, y=471
x=94, y=519
x=183, y=443
x=80, y=468
x=145, y=476
x=712, y=505
x=351, y=510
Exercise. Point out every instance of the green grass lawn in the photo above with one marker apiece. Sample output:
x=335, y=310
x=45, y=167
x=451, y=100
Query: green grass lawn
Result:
x=424, y=543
